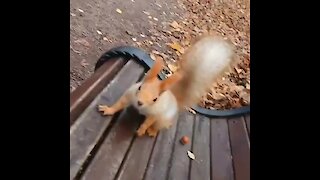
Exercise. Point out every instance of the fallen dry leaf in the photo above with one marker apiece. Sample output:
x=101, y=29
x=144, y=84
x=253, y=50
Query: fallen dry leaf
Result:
x=176, y=46
x=134, y=39
x=106, y=39
x=72, y=14
x=153, y=57
x=191, y=155
x=185, y=43
x=248, y=86
x=172, y=67
x=191, y=110
x=238, y=70
x=156, y=19
x=99, y=32
x=167, y=32
x=119, y=11
x=80, y=10
x=147, y=13
x=164, y=56
x=84, y=63
x=175, y=25
x=83, y=42
x=78, y=52
x=156, y=52
x=129, y=32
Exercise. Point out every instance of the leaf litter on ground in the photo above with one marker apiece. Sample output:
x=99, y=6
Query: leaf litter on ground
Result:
x=230, y=19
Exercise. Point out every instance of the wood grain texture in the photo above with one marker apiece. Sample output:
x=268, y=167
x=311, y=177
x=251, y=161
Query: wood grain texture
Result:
x=136, y=162
x=112, y=151
x=87, y=130
x=81, y=97
x=200, y=168
x=180, y=161
x=160, y=158
x=221, y=157
x=240, y=146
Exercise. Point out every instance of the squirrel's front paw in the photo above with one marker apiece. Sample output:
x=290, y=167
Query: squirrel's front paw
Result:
x=106, y=110
x=141, y=132
x=152, y=132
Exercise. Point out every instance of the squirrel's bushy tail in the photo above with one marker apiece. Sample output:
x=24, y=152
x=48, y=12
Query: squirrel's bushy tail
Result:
x=204, y=62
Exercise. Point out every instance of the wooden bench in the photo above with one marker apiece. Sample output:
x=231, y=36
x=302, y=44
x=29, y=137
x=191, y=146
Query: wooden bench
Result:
x=103, y=147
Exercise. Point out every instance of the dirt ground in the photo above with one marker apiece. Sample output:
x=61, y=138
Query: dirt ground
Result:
x=87, y=17
x=162, y=28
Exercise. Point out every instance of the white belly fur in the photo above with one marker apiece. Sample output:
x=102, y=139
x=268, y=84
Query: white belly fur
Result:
x=165, y=109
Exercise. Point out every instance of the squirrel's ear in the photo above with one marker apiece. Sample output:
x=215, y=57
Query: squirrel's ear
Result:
x=153, y=72
x=167, y=83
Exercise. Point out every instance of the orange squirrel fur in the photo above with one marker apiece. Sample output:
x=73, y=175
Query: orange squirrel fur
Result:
x=161, y=100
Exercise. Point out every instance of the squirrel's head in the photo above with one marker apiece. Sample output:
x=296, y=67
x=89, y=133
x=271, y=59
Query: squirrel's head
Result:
x=152, y=87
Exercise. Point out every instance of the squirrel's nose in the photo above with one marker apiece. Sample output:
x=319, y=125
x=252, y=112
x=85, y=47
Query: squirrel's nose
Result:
x=139, y=103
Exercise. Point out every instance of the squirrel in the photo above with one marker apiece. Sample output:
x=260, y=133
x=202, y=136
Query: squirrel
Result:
x=162, y=100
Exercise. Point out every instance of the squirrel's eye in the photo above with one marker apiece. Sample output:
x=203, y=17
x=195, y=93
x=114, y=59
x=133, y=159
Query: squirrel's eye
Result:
x=139, y=88
x=154, y=100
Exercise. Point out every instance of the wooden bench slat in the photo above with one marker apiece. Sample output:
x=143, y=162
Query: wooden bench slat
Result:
x=221, y=158
x=240, y=146
x=136, y=162
x=160, y=158
x=87, y=130
x=111, y=153
x=180, y=161
x=200, y=168
x=86, y=93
